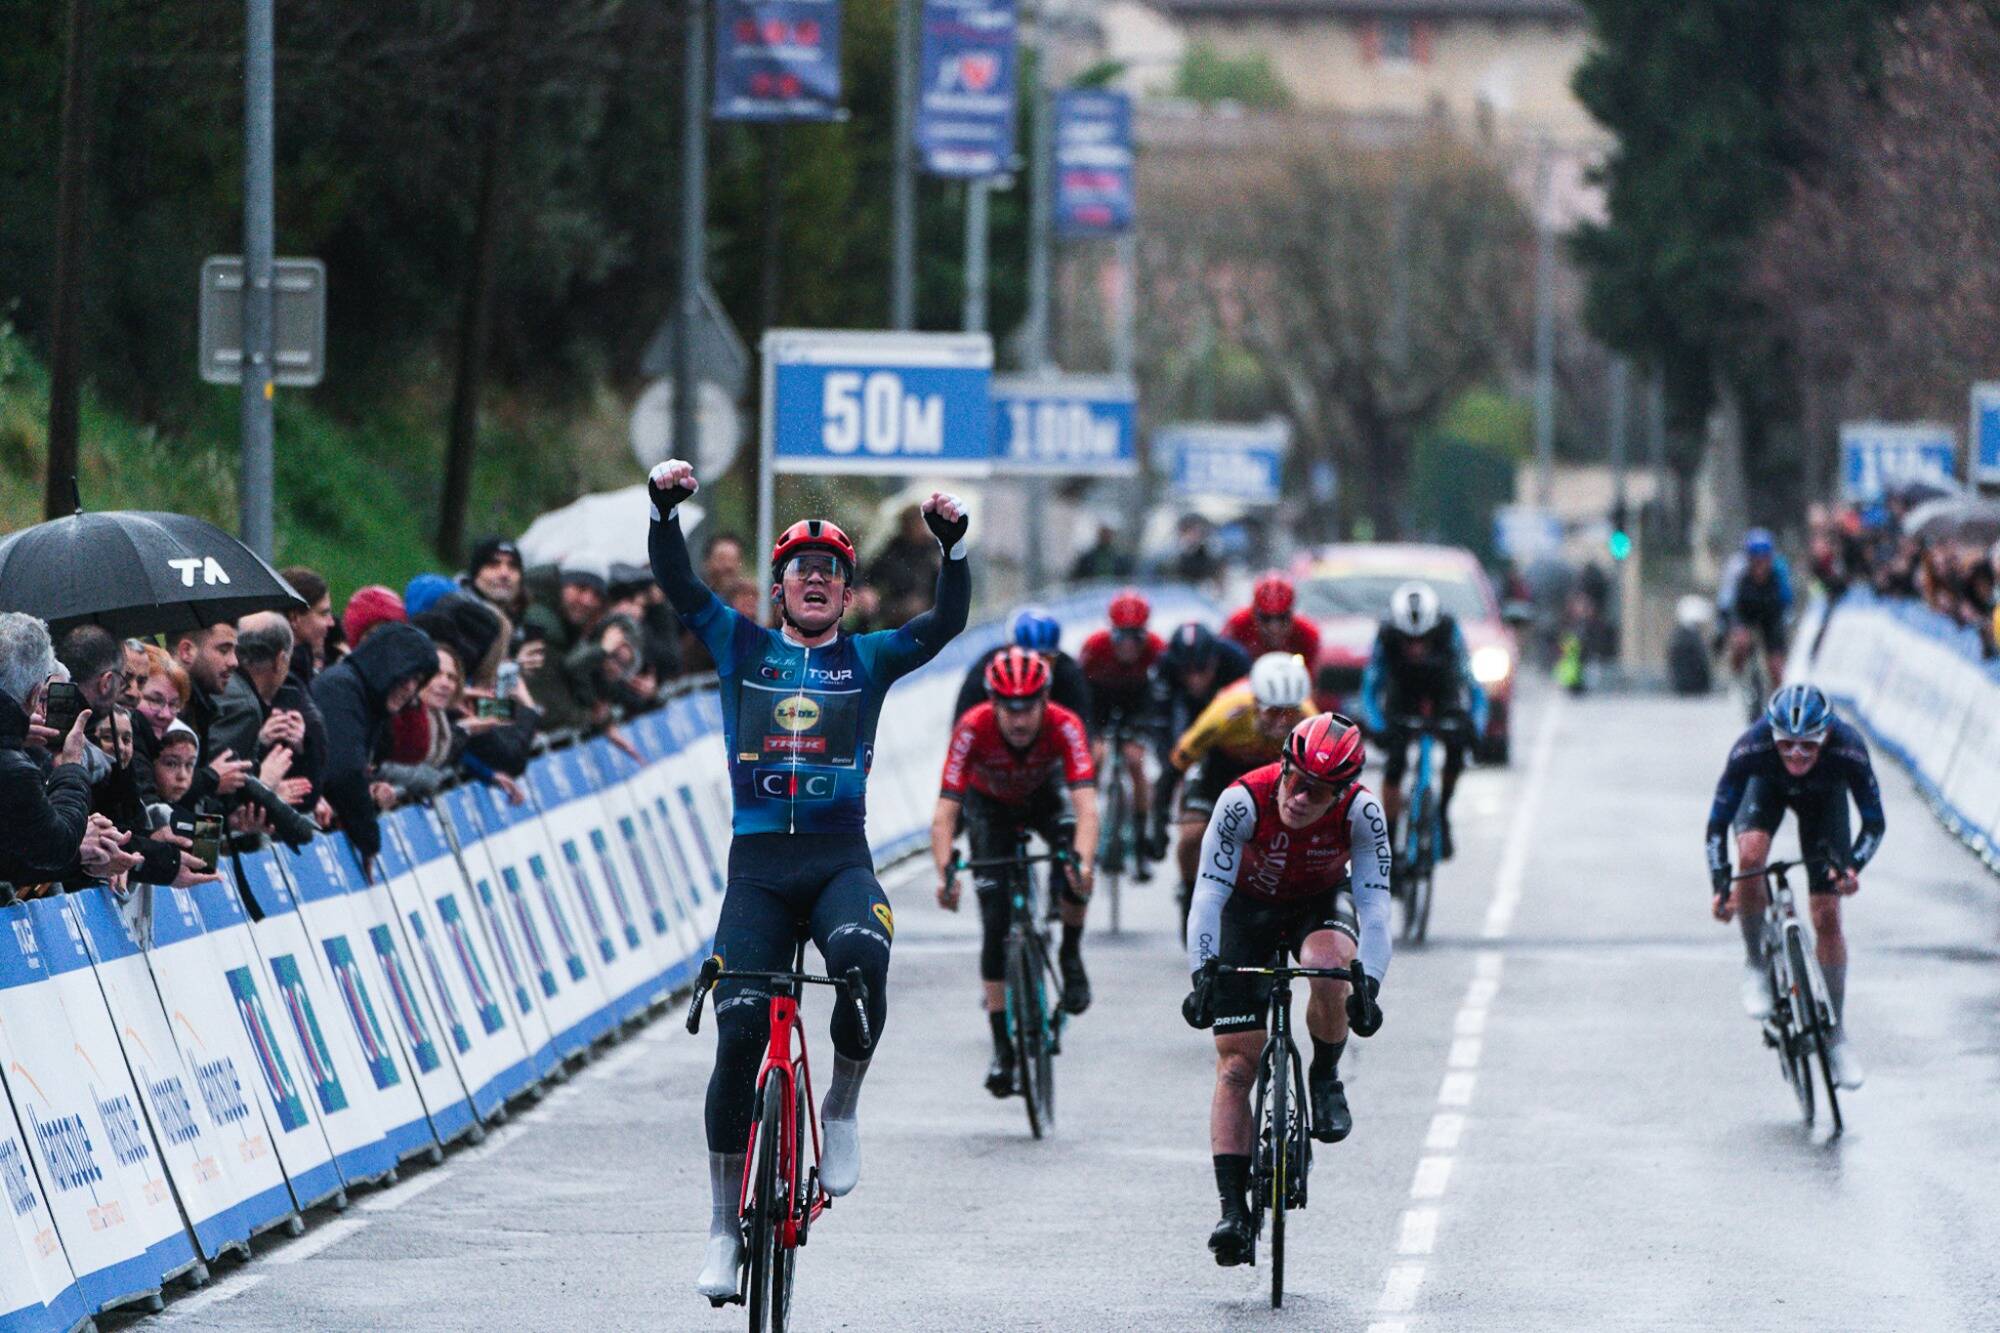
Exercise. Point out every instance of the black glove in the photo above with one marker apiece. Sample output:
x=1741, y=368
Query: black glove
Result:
x=1364, y=1016
x=665, y=498
x=1199, y=1006
x=1718, y=879
x=948, y=531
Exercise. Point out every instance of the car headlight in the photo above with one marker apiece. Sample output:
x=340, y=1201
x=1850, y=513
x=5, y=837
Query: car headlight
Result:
x=1490, y=665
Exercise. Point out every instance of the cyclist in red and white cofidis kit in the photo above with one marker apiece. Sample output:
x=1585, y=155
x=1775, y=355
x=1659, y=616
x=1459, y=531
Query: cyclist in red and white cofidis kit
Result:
x=1118, y=665
x=1018, y=761
x=1296, y=859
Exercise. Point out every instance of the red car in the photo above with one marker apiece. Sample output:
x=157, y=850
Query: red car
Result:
x=1344, y=589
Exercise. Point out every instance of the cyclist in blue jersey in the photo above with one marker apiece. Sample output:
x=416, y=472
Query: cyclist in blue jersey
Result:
x=799, y=709
x=1802, y=758
x=1753, y=603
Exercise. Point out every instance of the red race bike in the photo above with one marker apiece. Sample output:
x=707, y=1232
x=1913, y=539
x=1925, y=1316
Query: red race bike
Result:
x=781, y=1197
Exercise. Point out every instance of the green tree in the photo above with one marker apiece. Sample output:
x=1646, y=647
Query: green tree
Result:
x=1207, y=76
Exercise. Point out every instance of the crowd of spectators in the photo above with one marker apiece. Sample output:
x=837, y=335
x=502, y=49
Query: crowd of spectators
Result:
x=1856, y=546
x=286, y=723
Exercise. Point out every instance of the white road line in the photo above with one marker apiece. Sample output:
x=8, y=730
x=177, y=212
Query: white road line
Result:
x=1447, y=1127
x=226, y=1290
x=1389, y=1326
x=1489, y=965
x=321, y=1238
x=1480, y=993
x=1433, y=1174
x=1514, y=855
x=1470, y=1022
x=1465, y=1052
x=1419, y=1233
x=1399, y=1289
x=1456, y=1090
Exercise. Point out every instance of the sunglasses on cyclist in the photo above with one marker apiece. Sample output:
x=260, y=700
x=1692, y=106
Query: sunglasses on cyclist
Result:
x=1313, y=789
x=803, y=567
x=1800, y=749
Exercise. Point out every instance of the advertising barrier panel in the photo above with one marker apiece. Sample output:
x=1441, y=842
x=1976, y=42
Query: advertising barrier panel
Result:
x=676, y=943
x=38, y=1292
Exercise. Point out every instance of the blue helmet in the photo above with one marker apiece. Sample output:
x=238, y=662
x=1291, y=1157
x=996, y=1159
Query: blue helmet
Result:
x=1036, y=629
x=1758, y=541
x=1192, y=647
x=1799, y=713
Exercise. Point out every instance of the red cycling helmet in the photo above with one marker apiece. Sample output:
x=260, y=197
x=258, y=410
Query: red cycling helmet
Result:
x=1328, y=748
x=1129, y=610
x=1016, y=673
x=813, y=534
x=1272, y=595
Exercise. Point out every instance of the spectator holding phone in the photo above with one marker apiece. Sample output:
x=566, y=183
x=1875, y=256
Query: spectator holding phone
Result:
x=42, y=820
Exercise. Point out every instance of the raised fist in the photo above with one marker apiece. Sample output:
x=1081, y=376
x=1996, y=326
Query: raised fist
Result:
x=670, y=483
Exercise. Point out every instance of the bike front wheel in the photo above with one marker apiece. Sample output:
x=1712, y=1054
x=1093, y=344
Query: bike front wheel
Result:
x=764, y=1212
x=1820, y=1034
x=1027, y=1012
x=1277, y=1131
x=1804, y=1027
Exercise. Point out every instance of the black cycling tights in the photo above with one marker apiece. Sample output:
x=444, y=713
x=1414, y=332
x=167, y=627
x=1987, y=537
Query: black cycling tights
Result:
x=989, y=827
x=777, y=881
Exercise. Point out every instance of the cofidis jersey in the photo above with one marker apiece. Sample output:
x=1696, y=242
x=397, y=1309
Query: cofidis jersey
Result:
x=800, y=722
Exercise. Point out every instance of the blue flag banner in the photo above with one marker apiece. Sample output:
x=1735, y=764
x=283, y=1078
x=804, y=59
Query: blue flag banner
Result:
x=777, y=60
x=1093, y=166
x=892, y=403
x=1214, y=460
x=1986, y=433
x=1877, y=457
x=965, y=111
x=1065, y=425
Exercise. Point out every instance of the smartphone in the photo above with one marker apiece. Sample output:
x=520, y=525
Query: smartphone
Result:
x=493, y=708
x=62, y=704
x=205, y=832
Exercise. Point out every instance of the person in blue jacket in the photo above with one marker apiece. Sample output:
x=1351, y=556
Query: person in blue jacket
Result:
x=800, y=704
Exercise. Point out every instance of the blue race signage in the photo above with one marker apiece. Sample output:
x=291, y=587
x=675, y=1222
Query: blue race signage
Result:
x=1065, y=425
x=777, y=60
x=1093, y=166
x=885, y=403
x=965, y=111
x=1211, y=460
x=1875, y=457
x=1986, y=433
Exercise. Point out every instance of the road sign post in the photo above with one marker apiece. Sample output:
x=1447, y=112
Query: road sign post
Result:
x=298, y=290
x=872, y=404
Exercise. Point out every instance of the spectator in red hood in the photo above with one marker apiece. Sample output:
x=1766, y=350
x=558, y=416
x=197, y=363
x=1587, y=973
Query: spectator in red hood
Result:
x=370, y=607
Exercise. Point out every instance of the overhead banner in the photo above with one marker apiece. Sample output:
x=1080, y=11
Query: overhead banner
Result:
x=1065, y=425
x=965, y=112
x=838, y=401
x=1877, y=457
x=1214, y=460
x=1093, y=163
x=777, y=60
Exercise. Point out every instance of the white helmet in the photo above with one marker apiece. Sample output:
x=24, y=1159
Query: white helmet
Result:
x=1413, y=608
x=1279, y=680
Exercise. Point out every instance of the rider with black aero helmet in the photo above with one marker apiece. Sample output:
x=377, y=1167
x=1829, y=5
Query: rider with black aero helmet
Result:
x=1018, y=761
x=800, y=705
x=1296, y=858
x=1039, y=632
x=1802, y=758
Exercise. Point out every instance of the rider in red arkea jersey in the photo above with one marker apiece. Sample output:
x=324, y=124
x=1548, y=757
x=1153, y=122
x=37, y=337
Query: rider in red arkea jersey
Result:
x=1268, y=624
x=1018, y=762
x=1118, y=666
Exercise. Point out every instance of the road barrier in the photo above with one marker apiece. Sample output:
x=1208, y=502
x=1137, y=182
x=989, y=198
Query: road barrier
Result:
x=186, y=1070
x=1918, y=684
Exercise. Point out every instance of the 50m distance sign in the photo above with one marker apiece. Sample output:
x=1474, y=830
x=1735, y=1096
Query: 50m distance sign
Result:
x=879, y=403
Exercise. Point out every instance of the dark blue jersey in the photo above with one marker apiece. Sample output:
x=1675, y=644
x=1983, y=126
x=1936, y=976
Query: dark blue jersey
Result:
x=1843, y=769
x=800, y=722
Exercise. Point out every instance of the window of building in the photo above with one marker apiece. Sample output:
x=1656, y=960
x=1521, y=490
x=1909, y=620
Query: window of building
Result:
x=1399, y=41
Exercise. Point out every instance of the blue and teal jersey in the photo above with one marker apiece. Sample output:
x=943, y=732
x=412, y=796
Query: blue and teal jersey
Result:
x=800, y=722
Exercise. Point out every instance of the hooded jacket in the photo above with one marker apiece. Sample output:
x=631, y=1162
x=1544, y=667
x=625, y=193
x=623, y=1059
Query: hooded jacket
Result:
x=353, y=695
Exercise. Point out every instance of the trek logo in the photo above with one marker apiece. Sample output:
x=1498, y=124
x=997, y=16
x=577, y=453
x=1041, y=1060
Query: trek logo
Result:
x=189, y=566
x=782, y=785
x=796, y=713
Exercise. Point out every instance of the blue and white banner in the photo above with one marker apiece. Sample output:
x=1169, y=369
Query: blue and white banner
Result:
x=1093, y=163
x=777, y=60
x=1986, y=433
x=1065, y=425
x=1213, y=460
x=38, y=1290
x=1876, y=457
x=965, y=109
x=676, y=940
x=883, y=403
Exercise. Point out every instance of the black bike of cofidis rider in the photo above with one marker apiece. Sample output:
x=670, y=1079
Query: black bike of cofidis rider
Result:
x=1802, y=758
x=799, y=709
x=1296, y=858
x=1018, y=761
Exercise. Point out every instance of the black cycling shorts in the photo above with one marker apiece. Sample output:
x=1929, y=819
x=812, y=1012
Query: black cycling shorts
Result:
x=1767, y=628
x=1825, y=835
x=1129, y=706
x=1209, y=780
x=1253, y=931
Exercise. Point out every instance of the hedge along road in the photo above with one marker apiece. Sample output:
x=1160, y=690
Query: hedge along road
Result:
x=1565, y=1123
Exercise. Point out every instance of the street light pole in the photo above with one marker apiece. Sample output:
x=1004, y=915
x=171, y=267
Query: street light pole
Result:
x=1545, y=335
x=977, y=193
x=694, y=216
x=903, y=197
x=255, y=484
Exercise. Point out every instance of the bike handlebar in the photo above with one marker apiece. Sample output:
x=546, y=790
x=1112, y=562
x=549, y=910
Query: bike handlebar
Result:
x=1435, y=725
x=1354, y=973
x=852, y=984
x=1002, y=862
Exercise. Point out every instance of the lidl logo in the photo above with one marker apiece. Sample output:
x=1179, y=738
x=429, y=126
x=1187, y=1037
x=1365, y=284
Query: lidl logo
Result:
x=887, y=918
x=796, y=712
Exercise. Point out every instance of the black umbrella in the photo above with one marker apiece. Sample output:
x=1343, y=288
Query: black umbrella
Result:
x=136, y=573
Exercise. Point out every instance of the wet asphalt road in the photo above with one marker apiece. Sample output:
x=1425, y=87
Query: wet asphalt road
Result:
x=1565, y=1123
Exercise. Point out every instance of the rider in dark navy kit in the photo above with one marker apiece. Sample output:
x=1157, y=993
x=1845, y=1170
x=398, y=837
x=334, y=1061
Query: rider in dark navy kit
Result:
x=1802, y=758
x=799, y=710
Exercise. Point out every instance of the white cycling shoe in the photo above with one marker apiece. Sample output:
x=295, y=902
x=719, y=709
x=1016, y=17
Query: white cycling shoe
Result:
x=1847, y=1071
x=720, y=1268
x=840, y=1158
x=1756, y=991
